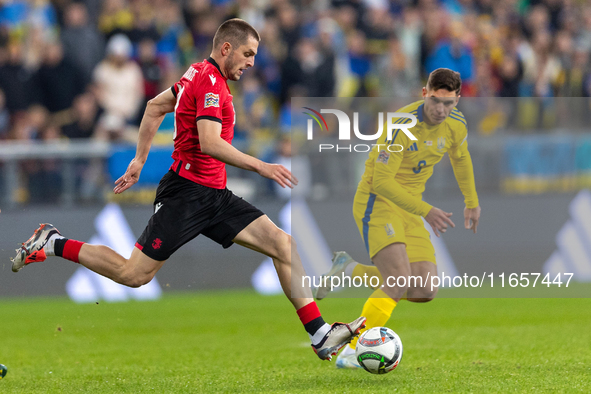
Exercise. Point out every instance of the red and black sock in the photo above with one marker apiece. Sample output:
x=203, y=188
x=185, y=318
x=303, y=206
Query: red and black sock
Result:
x=311, y=318
x=67, y=248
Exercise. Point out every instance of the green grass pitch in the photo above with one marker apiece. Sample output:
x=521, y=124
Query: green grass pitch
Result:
x=237, y=341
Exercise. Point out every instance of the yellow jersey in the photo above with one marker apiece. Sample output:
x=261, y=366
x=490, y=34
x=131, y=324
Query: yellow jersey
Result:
x=401, y=176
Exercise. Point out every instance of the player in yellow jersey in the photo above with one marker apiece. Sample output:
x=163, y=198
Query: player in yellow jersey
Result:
x=388, y=205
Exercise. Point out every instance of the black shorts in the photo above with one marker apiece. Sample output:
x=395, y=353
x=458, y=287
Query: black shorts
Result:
x=184, y=209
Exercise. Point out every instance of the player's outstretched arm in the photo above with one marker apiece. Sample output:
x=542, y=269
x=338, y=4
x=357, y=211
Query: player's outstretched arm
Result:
x=153, y=116
x=461, y=162
x=213, y=145
x=464, y=172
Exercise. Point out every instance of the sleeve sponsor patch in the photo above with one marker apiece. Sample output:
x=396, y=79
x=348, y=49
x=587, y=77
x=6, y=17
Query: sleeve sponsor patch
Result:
x=383, y=157
x=211, y=100
x=190, y=73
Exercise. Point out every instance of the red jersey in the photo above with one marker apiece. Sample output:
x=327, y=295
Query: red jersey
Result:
x=202, y=93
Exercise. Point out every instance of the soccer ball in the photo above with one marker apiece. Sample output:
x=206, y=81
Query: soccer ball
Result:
x=378, y=350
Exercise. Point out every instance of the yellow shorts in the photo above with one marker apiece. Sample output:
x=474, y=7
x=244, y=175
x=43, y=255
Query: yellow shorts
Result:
x=381, y=223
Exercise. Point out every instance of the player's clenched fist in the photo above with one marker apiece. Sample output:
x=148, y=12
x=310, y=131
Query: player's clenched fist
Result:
x=439, y=220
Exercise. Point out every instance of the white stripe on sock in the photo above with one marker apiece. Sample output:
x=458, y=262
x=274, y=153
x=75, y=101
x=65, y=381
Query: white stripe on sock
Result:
x=49, y=251
x=319, y=334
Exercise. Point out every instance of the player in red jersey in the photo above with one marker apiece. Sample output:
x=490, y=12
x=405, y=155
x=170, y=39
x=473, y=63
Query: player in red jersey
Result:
x=192, y=197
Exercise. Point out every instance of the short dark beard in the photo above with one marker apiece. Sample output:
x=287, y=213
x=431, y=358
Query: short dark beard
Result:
x=229, y=66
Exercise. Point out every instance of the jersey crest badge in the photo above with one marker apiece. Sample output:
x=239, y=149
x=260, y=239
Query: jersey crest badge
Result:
x=440, y=143
x=212, y=79
x=383, y=157
x=211, y=100
x=389, y=230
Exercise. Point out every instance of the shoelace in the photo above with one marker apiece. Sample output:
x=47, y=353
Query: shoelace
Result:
x=335, y=325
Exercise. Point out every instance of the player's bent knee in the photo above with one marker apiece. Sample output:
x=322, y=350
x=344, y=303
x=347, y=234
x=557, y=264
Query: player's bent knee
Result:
x=422, y=294
x=132, y=278
x=138, y=281
x=283, y=246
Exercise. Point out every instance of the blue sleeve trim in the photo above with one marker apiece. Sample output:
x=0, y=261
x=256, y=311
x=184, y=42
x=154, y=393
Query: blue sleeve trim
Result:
x=458, y=119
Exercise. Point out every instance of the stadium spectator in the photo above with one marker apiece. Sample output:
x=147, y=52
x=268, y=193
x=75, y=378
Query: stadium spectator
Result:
x=393, y=73
x=378, y=27
x=84, y=125
x=175, y=44
x=41, y=16
x=408, y=33
x=83, y=45
x=509, y=71
x=510, y=74
x=577, y=78
x=541, y=68
x=15, y=79
x=115, y=17
x=44, y=176
x=143, y=27
x=93, y=8
x=359, y=67
x=28, y=125
x=289, y=25
x=152, y=71
x=309, y=67
x=57, y=81
x=86, y=114
x=453, y=54
x=537, y=20
x=203, y=24
x=151, y=68
x=584, y=38
x=347, y=18
x=118, y=81
x=271, y=53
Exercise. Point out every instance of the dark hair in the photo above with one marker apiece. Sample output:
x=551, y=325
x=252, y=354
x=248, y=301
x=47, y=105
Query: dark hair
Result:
x=444, y=78
x=236, y=32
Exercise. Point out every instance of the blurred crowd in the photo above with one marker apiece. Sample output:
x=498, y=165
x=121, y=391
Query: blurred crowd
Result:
x=80, y=69
x=86, y=69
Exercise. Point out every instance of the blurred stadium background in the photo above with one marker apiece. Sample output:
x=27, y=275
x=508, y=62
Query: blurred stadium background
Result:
x=76, y=75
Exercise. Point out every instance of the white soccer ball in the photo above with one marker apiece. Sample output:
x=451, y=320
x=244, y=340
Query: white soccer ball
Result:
x=378, y=350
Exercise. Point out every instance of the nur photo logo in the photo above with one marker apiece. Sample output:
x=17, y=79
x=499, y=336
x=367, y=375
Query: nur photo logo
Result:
x=398, y=121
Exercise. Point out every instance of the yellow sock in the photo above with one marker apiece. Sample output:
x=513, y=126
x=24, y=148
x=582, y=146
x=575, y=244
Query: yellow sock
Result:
x=377, y=309
x=359, y=270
